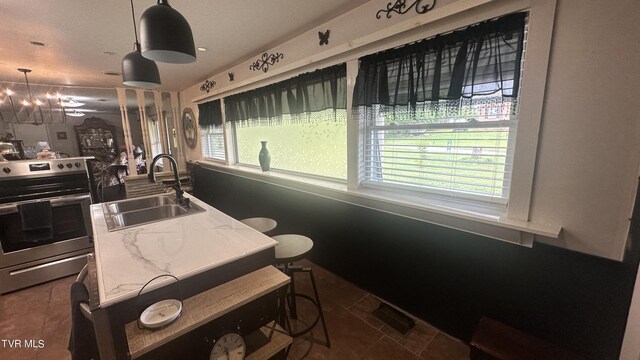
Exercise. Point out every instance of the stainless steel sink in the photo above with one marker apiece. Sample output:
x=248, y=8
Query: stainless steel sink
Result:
x=138, y=204
x=128, y=213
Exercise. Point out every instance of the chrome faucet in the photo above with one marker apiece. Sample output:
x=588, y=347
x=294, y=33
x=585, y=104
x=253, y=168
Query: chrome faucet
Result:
x=179, y=192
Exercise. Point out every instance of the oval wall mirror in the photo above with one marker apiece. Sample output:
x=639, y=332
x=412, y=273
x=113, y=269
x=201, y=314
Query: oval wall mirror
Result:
x=189, y=128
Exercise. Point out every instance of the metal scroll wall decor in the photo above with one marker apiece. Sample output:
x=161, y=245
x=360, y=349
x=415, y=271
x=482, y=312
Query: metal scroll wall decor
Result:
x=265, y=61
x=324, y=37
x=401, y=7
x=207, y=86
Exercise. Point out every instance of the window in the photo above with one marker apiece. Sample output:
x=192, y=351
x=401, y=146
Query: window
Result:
x=314, y=143
x=154, y=135
x=452, y=147
x=211, y=130
x=303, y=120
x=440, y=116
x=213, y=142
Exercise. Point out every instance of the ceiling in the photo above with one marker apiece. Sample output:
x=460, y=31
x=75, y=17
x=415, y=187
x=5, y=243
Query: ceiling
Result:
x=83, y=40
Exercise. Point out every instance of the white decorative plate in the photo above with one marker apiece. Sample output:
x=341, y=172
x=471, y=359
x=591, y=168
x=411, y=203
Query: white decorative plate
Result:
x=161, y=313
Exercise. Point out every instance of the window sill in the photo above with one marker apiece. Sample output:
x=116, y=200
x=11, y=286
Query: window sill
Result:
x=481, y=219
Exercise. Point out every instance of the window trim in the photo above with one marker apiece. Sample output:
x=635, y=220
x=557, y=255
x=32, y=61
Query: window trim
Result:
x=531, y=102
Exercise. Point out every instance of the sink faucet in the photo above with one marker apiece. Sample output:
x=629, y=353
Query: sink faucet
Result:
x=179, y=192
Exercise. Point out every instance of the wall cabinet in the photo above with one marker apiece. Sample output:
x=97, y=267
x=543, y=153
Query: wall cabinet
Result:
x=97, y=138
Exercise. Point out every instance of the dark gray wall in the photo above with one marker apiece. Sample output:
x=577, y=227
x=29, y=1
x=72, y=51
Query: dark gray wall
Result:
x=448, y=278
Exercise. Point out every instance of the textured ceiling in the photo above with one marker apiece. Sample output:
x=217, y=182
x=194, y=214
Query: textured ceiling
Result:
x=84, y=39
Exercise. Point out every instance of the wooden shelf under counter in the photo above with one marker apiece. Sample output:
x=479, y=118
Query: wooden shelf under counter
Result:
x=278, y=340
x=207, y=306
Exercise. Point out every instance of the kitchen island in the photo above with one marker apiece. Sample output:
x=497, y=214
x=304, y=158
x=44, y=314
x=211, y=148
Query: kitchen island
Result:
x=202, y=250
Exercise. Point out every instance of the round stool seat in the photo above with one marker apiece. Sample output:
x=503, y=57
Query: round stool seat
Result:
x=292, y=247
x=261, y=224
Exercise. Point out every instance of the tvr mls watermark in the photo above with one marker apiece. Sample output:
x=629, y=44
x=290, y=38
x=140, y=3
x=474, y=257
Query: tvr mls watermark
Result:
x=23, y=343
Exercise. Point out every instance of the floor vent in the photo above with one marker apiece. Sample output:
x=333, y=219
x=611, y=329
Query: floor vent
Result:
x=394, y=318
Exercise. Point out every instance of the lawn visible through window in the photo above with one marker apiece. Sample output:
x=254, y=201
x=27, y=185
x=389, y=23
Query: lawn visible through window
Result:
x=461, y=146
x=313, y=143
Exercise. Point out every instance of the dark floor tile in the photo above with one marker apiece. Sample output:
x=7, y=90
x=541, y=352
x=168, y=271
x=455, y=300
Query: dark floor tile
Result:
x=350, y=338
x=23, y=312
x=38, y=313
x=60, y=291
x=417, y=339
x=18, y=354
x=364, y=309
x=387, y=349
x=333, y=290
x=444, y=347
x=306, y=314
x=55, y=335
x=26, y=301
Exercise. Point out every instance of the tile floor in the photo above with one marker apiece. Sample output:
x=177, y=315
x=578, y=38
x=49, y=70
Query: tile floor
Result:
x=42, y=312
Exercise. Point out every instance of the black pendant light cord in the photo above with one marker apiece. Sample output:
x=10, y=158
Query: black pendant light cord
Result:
x=26, y=79
x=136, y=46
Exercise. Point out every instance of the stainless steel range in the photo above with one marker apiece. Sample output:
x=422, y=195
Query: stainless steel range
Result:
x=45, y=223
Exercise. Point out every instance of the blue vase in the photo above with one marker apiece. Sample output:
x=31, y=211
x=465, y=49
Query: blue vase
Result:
x=264, y=157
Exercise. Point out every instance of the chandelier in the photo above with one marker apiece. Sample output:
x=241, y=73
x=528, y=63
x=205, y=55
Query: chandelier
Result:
x=36, y=110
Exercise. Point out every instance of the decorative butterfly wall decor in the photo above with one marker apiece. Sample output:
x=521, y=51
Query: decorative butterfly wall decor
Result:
x=324, y=37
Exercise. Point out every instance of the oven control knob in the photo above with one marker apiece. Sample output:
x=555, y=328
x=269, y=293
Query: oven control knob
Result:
x=60, y=166
x=77, y=164
x=6, y=170
x=69, y=165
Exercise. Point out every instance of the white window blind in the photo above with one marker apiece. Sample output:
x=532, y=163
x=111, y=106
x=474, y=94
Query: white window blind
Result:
x=461, y=148
x=213, y=142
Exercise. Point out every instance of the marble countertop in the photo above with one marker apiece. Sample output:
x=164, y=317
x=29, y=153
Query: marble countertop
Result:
x=126, y=259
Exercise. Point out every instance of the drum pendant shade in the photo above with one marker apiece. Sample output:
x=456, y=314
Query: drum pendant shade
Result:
x=165, y=35
x=139, y=71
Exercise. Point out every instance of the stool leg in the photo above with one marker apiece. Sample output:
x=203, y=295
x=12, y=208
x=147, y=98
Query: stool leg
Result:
x=282, y=311
x=292, y=306
x=324, y=324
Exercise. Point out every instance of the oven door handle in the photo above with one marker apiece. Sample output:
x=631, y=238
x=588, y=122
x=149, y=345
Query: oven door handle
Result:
x=69, y=199
x=12, y=208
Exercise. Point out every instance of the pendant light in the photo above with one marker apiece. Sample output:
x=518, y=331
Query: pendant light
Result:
x=136, y=69
x=166, y=36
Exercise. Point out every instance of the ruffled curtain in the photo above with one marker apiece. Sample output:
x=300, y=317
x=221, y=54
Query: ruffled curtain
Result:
x=310, y=92
x=482, y=59
x=209, y=114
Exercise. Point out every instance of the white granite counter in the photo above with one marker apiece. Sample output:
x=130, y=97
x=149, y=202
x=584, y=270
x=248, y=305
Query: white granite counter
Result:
x=183, y=246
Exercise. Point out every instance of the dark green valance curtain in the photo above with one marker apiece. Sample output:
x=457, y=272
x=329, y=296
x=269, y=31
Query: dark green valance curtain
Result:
x=481, y=59
x=210, y=114
x=310, y=92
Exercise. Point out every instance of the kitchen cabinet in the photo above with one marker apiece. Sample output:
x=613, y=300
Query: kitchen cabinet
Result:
x=97, y=138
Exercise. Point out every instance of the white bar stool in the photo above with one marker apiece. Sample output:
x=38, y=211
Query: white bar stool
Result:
x=291, y=248
x=262, y=224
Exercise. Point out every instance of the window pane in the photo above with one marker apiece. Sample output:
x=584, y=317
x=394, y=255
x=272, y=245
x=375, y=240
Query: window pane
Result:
x=314, y=143
x=456, y=147
x=154, y=136
x=213, y=142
